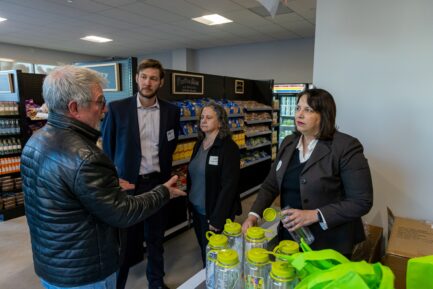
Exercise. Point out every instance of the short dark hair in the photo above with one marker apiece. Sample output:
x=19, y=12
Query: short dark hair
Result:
x=221, y=113
x=322, y=102
x=151, y=63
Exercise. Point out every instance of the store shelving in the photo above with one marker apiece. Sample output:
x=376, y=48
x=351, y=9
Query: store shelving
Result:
x=255, y=162
x=258, y=146
x=252, y=134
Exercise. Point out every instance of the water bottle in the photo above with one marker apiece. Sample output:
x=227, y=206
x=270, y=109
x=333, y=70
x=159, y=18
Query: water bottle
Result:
x=228, y=270
x=282, y=276
x=255, y=238
x=216, y=242
x=256, y=270
x=287, y=248
x=271, y=214
x=233, y=231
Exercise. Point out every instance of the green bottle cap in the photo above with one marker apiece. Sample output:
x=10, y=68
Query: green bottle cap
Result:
x=269, y=214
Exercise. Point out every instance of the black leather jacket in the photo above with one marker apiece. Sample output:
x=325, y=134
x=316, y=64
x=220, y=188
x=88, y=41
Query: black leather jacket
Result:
x=74, y=204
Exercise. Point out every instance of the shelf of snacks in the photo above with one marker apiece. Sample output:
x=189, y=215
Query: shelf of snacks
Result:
x=190, y=136
x=9, y=165
x=257, y=121
x=11, y=197
x=258, y=146
x=182, y=153
x=252, y=159
x=251, y=105
x=258, y=133
x=274, y=152
x=181, y=172
x=275, y=125
x=239, y=139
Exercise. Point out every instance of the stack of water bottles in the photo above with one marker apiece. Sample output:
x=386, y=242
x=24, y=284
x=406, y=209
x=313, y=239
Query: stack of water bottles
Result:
x=235, y=262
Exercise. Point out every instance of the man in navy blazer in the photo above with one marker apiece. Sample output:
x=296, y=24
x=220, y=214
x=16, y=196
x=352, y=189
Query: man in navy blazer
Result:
x=139, y=134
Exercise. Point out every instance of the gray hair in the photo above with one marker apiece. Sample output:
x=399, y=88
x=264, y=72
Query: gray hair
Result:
x=67, y=83
x=224, y=130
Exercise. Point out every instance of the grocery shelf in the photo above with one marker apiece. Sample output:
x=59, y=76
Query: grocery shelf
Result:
x=276, y=124
x=180, y=162
x=258, y=146
x=256, y=161
x=235, y=115
x=237, y=129
x=189, y=136
x=289, y=116
x=258, y=121
x=252, y=109
x=251, y=134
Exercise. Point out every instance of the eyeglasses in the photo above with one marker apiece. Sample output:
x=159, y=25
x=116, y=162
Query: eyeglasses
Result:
x=101, y=103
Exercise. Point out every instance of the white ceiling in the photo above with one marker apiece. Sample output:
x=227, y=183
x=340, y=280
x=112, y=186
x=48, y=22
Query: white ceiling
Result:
x=138, y=27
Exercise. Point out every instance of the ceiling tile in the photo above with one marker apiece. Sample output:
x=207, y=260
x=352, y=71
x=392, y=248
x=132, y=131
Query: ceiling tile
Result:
x=162, y=15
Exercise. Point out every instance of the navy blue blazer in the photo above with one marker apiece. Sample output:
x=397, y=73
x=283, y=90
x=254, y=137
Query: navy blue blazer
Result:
x=121, y=138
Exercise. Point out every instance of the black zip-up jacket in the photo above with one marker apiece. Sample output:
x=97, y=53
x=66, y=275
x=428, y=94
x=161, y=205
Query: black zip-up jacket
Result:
x=222, y=179
x=74, y=204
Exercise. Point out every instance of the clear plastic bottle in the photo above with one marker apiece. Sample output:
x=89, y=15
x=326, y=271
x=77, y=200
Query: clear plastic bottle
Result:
x=282, y=276
x=255, y=238
x=287, y=248
x=271, y=214
x=228, y=270
x=233, y=231
x=216, y=242
x=257, y=267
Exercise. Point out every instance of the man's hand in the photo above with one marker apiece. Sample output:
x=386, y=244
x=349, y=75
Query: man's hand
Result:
x=125, y=185
x=251, y=221
x=172, y=188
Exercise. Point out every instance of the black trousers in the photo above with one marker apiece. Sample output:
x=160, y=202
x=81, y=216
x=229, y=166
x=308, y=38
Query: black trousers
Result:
x=201, y=226
x=152, y=231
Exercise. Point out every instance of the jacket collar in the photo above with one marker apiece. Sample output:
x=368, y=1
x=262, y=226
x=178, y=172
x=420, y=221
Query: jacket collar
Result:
x=65, y=122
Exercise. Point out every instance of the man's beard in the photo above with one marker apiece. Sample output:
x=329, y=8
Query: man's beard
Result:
x=148, y=96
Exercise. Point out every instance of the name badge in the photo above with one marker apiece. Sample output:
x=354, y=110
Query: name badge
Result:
x=213, y=160
x=170, y=135
x=279, y=165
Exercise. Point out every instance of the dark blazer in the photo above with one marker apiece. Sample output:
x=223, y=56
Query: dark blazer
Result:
x=336, y=179
x=121, y=137
x=222, y=179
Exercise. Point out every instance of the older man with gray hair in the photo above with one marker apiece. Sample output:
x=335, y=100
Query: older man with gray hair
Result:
x=74, y=200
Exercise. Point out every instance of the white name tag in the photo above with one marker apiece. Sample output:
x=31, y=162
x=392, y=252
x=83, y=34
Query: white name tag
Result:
x=279, y=165
x=213, y=160
x=170, y=135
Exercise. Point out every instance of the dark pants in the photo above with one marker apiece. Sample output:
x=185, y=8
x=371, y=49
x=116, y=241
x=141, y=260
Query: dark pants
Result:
x=201, y=226
x=153, y=233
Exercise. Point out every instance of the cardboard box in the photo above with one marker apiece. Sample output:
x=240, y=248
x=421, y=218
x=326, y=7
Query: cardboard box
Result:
x=369, y=250
x=409, y=238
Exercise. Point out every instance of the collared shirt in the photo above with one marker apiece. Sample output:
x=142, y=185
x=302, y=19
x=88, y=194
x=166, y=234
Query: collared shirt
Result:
x=148, y=124
x=310, y=148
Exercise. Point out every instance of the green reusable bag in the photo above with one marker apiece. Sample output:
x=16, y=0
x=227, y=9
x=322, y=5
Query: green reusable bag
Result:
x=353, y=275
x=419, y=273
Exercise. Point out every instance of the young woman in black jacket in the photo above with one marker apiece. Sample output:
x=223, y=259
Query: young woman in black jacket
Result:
x=213, y=175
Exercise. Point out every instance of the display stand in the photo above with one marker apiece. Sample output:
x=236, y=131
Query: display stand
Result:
x=16, y=87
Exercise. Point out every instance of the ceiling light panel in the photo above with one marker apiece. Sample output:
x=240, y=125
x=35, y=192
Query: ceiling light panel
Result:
x=212, y=19
x=97, y=39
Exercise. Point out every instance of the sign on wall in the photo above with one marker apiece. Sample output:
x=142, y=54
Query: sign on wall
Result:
x=6, y=83
x=187, y=83
x=111, y=72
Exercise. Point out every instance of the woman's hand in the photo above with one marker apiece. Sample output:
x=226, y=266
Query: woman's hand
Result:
x=296, y=219
x=213, y=229
x=251, y=221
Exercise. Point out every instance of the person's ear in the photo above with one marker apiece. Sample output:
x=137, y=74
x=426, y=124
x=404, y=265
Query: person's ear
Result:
x=136, y=78
x=162, y=83
x=73, y=108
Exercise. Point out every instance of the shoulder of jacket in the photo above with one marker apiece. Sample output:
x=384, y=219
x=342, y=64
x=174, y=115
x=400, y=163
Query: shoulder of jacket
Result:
x=121, y=102
x=288, y=140
x=341, y=138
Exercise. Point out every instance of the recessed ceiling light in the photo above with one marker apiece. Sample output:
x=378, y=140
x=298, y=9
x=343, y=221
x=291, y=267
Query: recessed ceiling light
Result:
x=212, y=19
x=2, y=19
x=7, y=60
x=96, y=39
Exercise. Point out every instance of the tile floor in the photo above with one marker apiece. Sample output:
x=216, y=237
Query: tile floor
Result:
x=182, y=257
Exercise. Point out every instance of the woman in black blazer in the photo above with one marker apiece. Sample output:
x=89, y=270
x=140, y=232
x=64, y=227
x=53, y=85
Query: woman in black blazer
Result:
x=213, y=175
x=322, y=175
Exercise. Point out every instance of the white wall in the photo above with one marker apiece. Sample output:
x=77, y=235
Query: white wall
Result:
x=283, y=61
x=376, y=58
x=41, y=56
